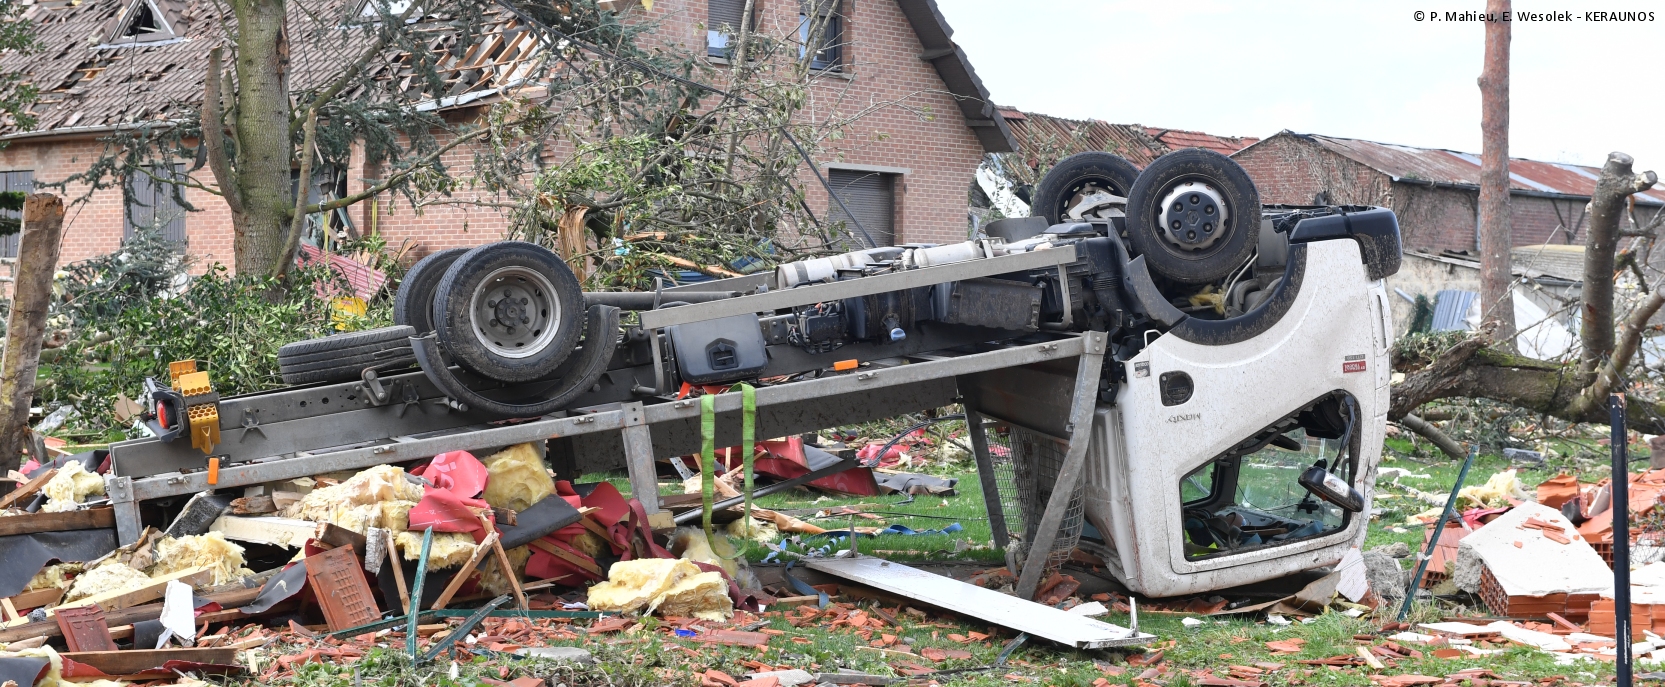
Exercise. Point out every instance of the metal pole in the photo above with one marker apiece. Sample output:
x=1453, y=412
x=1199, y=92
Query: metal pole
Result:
x=1439, y=529
x=1621, y=538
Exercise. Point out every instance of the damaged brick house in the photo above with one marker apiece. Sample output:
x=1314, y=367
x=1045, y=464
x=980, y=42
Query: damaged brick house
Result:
x=108, y=65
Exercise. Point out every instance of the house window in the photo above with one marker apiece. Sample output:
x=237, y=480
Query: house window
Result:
x=151, y=203
x=824, y=18
x=871, y=198
x=722, y=24
x=14, y=181
x=142, y=22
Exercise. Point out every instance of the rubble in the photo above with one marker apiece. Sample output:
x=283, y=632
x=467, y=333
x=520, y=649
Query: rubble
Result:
x=70, y=487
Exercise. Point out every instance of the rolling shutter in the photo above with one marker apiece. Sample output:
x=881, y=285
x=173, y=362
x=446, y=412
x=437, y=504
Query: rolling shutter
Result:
x=871, y=196
x=722, y=22
x=14, y=181
x=153, y=205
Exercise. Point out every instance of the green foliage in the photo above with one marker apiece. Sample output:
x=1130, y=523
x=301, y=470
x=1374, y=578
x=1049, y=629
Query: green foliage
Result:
x=103, y=286
x=128, y=324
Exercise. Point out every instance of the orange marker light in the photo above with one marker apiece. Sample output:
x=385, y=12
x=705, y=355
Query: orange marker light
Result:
x=213, y=470
x=845, y=365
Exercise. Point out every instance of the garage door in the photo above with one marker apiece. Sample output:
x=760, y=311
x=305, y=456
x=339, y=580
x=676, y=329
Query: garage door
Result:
x=871, y=197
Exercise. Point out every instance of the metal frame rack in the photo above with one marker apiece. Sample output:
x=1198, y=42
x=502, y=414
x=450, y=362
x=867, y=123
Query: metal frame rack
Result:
x=418, y=424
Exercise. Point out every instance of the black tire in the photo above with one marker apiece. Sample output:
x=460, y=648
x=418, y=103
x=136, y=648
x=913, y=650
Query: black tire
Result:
x=1192, y=249
x=521, y=346
x=1072, y=174
x=414, y=305
x=343, y=357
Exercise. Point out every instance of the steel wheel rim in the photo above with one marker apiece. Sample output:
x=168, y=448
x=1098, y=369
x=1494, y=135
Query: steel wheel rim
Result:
x=515, y=313
x=1194, y=216
x=1080, y=192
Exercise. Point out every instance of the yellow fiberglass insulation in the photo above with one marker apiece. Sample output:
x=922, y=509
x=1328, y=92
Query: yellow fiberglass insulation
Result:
x=491, y=574
x=762, y=531
x=450, y=549
x=72, y=485
x=105, y=579
x=690, y=543
x=703, y=596
x=183, y=553
x=517, y=478
x=363, y=501
x=54, y=576
x=633, y=585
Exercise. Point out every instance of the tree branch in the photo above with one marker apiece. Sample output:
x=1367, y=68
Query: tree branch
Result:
x=353, y=70
x=1610, y=375
x=1428, y=431
x=396, y=177
x=213, y=135
x=286, y=258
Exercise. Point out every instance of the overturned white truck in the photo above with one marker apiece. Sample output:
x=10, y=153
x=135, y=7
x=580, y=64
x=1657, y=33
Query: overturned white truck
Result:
x=1155, y=367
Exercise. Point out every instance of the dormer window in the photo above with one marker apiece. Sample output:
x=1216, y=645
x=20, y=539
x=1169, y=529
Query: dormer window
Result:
x=143, y=22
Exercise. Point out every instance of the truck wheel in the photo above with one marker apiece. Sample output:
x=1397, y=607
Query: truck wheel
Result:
x=1078, y=176
x=1195, y=216
x=510, y=311
x=343, y=357
x=414, y=305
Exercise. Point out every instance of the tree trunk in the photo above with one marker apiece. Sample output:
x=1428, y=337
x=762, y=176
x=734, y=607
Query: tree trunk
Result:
x=262, y=177
x=37, y=259
x=1607, y=206
x=1496, y=237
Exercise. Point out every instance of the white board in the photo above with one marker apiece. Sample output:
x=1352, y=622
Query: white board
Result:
x=1059, y=626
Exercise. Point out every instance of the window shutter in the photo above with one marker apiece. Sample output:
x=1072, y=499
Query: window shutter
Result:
x=871, y=197
x=725, y=13
x=169, y=210
x=141, y=212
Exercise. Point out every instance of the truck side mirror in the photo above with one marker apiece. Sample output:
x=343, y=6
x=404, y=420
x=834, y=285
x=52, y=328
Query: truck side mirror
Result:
x=1321, y=483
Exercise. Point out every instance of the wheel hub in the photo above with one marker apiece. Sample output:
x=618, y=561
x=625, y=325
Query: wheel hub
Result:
x=1193, y=216
x=515, y=313
x=1082, y=196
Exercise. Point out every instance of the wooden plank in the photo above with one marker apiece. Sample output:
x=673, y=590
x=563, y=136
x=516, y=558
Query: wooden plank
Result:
x=28, y=489
x=480, y=551
x=112, y=601
x=127, y=616
x=89, y=519
x=503, y=564
x=567, y=556
x=140, y=660
x=36, y=598
x=398, y=570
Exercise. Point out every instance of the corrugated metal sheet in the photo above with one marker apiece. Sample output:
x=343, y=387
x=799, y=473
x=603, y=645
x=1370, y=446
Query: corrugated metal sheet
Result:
x=1409, y=164
x=1451, y=310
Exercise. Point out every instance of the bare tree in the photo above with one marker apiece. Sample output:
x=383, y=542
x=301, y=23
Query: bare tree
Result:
x=1496, y=237
x=1574, y=391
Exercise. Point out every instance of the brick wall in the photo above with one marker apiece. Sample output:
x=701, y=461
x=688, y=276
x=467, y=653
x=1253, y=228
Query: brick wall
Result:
x=94, y=225
x=908, y=121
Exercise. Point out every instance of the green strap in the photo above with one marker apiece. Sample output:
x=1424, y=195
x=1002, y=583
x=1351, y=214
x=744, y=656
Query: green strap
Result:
x=748, y=441
x=708, y=452
x=708, y=458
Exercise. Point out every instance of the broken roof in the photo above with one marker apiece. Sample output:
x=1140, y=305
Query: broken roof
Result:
x=1138, y=144
x=1440, y=167
x=93, y=76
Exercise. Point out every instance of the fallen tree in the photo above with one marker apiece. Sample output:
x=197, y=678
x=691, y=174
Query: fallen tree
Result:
x=1574, y=390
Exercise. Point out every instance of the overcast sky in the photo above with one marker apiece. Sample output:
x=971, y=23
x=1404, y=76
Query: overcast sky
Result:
x=1354, y=69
